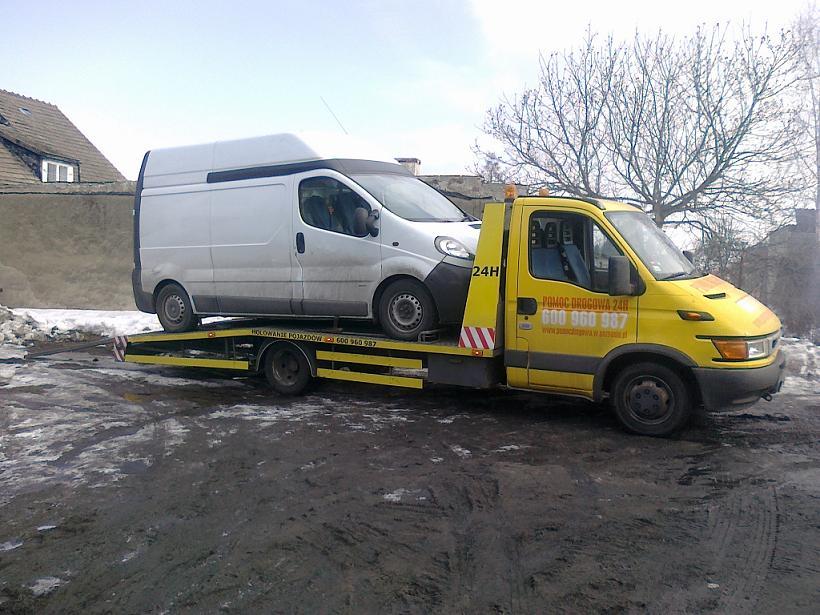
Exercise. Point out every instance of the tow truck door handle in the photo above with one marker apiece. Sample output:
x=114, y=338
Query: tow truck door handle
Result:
x=300, y=243
x=527, y=306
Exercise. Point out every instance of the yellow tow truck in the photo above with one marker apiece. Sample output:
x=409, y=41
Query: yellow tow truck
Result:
x=580, y=297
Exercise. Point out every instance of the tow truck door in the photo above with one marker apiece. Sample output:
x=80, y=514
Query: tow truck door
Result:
x=566, y=322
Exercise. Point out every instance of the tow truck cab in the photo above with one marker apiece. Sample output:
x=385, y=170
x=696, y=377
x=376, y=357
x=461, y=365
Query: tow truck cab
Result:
x=599, y=302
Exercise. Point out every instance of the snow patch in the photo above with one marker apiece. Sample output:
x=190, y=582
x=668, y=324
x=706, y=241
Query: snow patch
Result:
x=10, y=545
x=149, y=377
x=461, y=452
x=269, y=415
x=396, y=496
x=129, y=556
x=45, y=585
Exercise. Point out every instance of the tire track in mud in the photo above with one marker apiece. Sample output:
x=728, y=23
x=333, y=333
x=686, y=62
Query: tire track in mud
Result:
x=744, y=527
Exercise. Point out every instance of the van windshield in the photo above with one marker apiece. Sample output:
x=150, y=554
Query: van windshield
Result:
x=410, y=198
x=653, y=246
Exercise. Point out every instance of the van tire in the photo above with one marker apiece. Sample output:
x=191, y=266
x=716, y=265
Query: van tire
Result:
x=174, y=309
x=406, y=308
x=286, y=369
x=650, y=399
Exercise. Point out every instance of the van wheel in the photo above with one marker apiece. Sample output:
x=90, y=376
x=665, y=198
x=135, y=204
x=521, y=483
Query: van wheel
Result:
x=287, y=369
x=651, y=399
x=406, y=309
x=174, y=309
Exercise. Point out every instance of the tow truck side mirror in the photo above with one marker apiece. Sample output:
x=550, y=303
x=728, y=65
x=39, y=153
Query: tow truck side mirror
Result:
x=619, y=276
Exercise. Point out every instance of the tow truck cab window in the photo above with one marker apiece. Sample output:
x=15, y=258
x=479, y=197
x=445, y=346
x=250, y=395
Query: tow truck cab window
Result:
x=570, y=248
x=328, y=204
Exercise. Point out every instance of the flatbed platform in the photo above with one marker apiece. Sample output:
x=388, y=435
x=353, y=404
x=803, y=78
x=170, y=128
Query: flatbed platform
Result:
x=353, y=334
x=356, y=352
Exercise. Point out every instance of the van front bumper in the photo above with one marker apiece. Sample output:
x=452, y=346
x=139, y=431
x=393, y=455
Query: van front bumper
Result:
x=732, y=389
x=449, y=285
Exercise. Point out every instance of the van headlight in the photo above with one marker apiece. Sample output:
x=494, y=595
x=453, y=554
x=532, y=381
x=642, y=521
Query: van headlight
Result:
x=453, y=247
x=739, y=349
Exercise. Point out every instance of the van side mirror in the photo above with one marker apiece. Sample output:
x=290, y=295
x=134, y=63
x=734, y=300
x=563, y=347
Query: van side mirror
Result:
x=619, y=276
x=372, y=228
x=364, y=222
x=690, y=256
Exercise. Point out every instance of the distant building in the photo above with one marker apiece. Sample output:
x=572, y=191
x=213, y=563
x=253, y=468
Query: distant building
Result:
x=411, y=164
x=782, y=271
x=38, y=144
x=469, y=192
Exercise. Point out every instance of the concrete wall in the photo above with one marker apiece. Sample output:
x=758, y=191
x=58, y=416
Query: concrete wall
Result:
x=67, y=245
x=469, y=192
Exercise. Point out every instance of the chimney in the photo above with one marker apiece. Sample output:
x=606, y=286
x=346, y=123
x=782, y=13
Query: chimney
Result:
x=411, y=164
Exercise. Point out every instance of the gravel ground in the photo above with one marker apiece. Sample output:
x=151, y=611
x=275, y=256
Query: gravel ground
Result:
x=137, y=489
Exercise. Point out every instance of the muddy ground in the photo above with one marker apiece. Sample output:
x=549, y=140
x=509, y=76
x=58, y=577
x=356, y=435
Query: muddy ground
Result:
x=129, y=489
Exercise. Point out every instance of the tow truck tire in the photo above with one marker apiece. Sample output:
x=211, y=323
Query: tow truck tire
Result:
x=287, y=369
x=174, y=310
x=406, y=309
x=651, y=399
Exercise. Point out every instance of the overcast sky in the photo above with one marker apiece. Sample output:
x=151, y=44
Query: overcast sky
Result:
x=413, y=77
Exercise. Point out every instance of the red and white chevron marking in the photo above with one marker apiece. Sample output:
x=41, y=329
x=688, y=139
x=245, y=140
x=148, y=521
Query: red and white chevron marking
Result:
x=120, y=344
x=477, y=337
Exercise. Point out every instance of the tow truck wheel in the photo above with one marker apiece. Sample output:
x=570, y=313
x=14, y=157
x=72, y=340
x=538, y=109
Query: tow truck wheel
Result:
x=651, y=399
x=174, y=309
x=406, y=309
x=287, y=369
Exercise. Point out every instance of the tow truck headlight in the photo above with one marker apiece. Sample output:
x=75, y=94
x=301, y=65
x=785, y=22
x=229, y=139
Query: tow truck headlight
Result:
x=453, y=247
x=757, y=349
x=745, y=350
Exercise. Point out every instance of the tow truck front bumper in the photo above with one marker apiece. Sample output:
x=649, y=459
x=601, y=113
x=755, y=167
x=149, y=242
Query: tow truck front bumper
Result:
x=732, y=389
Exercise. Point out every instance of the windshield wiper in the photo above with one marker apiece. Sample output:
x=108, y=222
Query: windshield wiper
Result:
x=677, y=274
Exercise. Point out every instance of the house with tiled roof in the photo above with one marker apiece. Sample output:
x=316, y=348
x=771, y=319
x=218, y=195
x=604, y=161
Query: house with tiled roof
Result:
x=39, y=144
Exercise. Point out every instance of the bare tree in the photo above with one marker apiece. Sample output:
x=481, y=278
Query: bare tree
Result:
x=553, y=134
x=720, y=248
x=807, y=30
x=682, y=127
x=490, y=168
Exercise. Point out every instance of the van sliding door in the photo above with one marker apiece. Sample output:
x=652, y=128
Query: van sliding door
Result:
x=251, y=248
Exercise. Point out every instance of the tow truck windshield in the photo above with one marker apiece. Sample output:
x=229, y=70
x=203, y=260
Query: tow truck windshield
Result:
x=653, y=246
x=410, y=198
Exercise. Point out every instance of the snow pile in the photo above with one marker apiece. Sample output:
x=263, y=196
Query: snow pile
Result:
x=802, y=366
x=98, y=322
x=18, y=330
x=24, y=326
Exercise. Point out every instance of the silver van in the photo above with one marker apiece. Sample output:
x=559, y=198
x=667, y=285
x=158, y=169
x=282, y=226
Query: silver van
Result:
x=288, y=225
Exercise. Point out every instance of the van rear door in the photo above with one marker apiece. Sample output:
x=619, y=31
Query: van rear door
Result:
x=338, y=266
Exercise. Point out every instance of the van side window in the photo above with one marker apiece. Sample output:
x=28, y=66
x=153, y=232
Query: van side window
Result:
x=330, y=205
x=570, y=248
